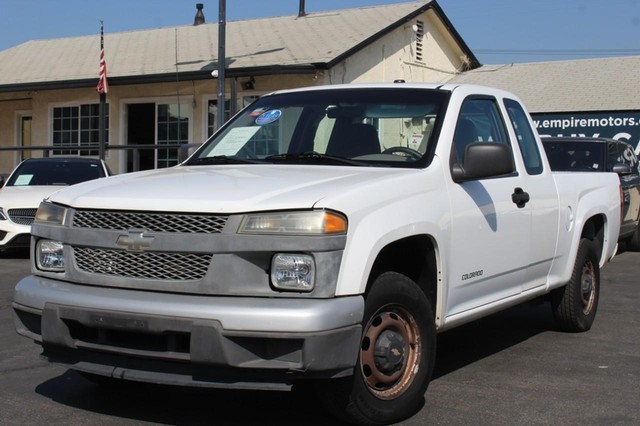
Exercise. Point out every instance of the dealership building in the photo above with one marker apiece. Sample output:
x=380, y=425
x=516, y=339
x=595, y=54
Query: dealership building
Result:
x=162, y=91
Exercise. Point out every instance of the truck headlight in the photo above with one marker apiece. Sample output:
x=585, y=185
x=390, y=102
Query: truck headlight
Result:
x=50, y=256
x=50, y=213
x=293, y=272
x=318, y=222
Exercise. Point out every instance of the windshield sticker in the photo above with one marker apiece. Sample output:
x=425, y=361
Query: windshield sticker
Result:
x=257, y=112
x=23, y=180
x=233, y=141
x=268, y=117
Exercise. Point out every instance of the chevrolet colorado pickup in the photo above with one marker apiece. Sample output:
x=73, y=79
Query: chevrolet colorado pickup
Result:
x=323, y=235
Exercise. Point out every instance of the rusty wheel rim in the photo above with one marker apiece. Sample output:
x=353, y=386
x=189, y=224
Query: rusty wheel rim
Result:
x=588, y=287
x=390, y=352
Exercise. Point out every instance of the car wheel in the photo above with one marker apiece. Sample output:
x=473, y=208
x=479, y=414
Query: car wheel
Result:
x=396, y=356
x=575, y=305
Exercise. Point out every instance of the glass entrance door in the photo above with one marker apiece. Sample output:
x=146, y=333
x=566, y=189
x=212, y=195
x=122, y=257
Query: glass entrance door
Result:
x=173, y=128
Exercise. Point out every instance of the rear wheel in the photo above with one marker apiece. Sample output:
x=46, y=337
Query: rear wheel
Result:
x=575, y=305
x=396, y=356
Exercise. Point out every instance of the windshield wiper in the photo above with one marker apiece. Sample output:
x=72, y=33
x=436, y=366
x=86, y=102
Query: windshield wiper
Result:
x=222, y=159
x=312, y=156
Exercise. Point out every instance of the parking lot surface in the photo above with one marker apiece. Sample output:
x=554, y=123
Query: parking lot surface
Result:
x=513, y=368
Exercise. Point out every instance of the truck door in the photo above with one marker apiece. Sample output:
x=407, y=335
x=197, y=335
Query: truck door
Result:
x=543, y=195
x=490, y=232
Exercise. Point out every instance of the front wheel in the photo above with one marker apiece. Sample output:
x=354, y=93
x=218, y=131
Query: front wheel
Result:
x=396, y=357
x=575, y=305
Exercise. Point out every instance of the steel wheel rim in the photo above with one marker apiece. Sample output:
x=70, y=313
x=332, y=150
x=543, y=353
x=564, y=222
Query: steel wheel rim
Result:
x=390, y=378
x=588, y=287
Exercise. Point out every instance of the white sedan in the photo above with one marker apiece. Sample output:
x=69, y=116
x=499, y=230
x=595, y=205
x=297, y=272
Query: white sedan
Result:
x=32, y=181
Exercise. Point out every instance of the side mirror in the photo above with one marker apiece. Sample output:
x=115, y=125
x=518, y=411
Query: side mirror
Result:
x=621, y=169
x=483, y=160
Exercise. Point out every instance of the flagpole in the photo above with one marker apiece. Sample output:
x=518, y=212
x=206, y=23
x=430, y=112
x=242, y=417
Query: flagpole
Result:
x=103, y=102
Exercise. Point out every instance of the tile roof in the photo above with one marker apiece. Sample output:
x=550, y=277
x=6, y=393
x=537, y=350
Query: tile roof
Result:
x=601, y=84
x=287, y=41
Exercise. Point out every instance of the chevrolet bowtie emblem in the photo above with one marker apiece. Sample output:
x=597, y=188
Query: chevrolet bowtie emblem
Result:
x=134, y=241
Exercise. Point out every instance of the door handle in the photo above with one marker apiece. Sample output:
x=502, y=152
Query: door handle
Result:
x=520, y=198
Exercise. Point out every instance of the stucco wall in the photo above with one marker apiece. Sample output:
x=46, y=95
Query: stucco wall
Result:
x=393, y=57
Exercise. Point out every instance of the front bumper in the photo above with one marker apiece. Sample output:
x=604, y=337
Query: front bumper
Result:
x=191, y=340
x=13, y=235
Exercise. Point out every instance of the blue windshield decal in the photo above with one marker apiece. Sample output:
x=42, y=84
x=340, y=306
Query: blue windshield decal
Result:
x=268, y=117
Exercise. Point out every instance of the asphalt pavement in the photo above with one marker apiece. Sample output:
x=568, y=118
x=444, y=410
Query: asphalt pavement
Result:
x=513, y=368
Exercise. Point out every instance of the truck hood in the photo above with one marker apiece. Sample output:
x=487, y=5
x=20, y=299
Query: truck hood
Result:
x=222, y=188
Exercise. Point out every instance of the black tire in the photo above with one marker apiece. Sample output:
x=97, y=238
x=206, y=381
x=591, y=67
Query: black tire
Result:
x=396, y=357
x=575, y=305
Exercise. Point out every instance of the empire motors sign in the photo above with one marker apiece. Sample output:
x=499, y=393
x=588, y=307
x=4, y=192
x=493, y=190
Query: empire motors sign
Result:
x=624, y=126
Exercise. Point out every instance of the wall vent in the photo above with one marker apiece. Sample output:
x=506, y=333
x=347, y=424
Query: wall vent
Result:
x=419, y=31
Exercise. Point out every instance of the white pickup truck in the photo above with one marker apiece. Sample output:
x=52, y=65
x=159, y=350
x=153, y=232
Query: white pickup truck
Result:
x=323, y=234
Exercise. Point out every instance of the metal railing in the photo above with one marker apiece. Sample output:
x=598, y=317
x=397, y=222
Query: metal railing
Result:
x=184, y=150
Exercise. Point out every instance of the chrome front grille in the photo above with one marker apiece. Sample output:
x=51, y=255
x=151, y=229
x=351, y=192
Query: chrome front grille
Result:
x=22, y=216
x=155, y=222
x=145, y=265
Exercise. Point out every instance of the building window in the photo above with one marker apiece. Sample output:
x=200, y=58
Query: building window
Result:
x=419, y=31
x=78, y=126
x=173, y=128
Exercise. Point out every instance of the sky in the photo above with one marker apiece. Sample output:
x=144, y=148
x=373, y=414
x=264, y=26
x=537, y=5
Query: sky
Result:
x=496, y=31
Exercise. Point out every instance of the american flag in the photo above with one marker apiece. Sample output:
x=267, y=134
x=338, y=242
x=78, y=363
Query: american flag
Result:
x=103, y=85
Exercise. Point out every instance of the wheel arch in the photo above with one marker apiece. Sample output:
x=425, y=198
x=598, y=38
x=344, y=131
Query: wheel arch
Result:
x=416, y=257
x=594, y=230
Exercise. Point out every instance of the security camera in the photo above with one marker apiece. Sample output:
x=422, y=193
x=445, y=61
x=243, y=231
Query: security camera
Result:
x=214, y=73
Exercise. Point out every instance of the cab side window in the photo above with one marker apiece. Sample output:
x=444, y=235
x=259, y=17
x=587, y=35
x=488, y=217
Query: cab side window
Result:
x=526, y=137
x=479, y=121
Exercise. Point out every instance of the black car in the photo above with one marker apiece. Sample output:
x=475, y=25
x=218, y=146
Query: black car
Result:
x=603, y=155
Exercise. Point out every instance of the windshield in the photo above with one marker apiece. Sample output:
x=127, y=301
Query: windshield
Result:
x=367, y=126
x=50, y=172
